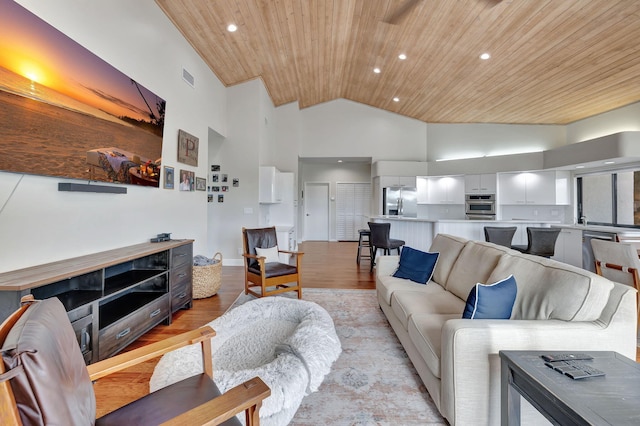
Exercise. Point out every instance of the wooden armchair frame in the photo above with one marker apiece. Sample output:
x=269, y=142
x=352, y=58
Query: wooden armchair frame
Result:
x=635, y=278
x=282, y=283
x=247, y=396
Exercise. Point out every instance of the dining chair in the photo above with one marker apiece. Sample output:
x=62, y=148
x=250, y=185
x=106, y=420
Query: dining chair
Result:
x=541, y=241
x=618, y=262
x=380, y=240
x=501, y=235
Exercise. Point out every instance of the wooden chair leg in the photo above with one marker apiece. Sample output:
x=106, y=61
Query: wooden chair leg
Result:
x=252, y=415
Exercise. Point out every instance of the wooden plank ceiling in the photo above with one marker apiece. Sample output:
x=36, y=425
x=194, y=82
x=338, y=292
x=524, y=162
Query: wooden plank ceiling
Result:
x=552, y=61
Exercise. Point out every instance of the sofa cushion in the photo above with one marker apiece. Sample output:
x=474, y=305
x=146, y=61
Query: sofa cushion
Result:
x=474, y=265
x=449, y=247
x=416, y=265
x=425, y=333
x=552, y=290
x=386, y=286
x=491, y=301
x=407, y=303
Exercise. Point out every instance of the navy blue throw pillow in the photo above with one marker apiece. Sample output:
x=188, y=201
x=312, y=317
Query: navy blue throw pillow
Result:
x=491, y=301
x=416, y=265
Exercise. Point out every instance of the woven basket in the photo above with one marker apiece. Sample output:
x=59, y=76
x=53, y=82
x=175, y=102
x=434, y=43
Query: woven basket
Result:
x=207, y=279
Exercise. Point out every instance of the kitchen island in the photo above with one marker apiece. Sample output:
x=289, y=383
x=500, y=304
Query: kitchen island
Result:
x=574, y=242
x=419, y=232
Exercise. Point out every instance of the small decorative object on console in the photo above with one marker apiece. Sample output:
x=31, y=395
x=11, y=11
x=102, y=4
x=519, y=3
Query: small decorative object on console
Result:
x=161, y=237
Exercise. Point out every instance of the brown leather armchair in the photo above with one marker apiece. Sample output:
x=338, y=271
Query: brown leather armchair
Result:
x=44, y=380
x=271, y=277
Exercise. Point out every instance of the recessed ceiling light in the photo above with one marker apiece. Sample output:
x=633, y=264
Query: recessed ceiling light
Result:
x=232, y=28
x=376, y=70
x=402, y=56
x=396, y=99
x=485, y=56
x=579, y=167
x=339, y=161
x=609, y=162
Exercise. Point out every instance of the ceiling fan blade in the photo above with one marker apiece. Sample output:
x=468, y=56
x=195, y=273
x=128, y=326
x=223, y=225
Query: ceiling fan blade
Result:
x=401, y=12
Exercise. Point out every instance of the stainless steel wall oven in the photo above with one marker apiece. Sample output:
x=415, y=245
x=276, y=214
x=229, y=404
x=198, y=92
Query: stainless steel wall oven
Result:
x=480, y=206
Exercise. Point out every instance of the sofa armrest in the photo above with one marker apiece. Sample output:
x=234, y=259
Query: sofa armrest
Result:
x=386, y=265
x=470, y=365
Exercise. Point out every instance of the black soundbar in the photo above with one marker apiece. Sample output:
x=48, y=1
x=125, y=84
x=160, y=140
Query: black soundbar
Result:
x=86, y=187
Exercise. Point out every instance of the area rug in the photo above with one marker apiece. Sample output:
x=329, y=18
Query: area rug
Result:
x=373, y=381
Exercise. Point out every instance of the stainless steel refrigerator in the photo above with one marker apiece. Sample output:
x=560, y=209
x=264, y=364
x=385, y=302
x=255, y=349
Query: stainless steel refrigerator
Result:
x=400, y=201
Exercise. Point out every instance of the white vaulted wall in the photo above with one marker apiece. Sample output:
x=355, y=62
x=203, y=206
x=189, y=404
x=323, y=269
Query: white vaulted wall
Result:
x=239, y=129
x=38, y=224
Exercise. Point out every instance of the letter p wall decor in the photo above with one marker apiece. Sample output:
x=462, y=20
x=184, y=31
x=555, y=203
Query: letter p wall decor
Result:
x=187, y=148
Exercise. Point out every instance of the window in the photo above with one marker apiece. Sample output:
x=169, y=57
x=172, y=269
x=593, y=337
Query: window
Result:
x=611, y=198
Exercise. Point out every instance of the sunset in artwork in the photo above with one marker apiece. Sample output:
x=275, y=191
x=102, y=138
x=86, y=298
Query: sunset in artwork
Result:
x=65, y=108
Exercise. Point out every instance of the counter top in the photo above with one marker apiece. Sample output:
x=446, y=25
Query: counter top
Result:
x=408, y=219
x=419, y=219
x=616, y=229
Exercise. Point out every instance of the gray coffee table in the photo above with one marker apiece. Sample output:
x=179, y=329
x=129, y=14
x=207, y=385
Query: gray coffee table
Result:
x=610, y=400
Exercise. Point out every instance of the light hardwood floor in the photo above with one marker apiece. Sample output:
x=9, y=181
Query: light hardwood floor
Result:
x=325, y=265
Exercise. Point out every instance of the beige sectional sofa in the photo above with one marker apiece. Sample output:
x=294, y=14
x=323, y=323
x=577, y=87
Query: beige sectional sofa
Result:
x=557, y=307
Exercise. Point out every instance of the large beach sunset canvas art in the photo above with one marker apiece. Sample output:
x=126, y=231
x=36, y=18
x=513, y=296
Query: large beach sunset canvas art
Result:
x=66, y=112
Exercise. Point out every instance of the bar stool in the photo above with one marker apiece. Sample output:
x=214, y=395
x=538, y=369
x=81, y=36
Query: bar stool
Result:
x=380, y=240
x=364, y=242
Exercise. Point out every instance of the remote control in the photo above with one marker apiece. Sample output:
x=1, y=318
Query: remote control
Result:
x=566, y=357
x=574, y=369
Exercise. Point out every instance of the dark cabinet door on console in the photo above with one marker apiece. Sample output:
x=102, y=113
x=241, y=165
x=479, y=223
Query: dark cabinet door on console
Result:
x=181, y=277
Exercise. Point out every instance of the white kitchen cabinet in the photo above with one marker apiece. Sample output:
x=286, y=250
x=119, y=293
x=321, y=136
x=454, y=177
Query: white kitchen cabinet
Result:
x=480, y=184
x=387, y=181
x=269, y=191
x=422, y=185
x=286, y=241
x=445, y=190
x=569, y=247
x=543, y=188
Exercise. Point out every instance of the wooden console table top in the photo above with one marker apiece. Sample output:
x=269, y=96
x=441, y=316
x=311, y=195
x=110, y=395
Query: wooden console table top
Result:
x=36, y=276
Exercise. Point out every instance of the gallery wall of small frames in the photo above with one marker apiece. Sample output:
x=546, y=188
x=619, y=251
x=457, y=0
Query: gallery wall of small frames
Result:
x=220, y=184
x=217, y=187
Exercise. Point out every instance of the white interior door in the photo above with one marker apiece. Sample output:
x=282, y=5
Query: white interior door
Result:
x=316, y=211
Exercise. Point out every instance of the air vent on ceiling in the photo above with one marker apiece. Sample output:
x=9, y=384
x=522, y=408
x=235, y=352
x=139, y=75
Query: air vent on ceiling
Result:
x=186, y=76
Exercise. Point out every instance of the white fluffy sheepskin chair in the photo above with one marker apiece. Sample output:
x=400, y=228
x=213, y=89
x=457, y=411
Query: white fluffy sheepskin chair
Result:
x=290, y=344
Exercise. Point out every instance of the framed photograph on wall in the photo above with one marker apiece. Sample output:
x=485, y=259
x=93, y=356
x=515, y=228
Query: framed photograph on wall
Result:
x=187, y=148
x=201, y=184
x=187, y=179
x=168, y=177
